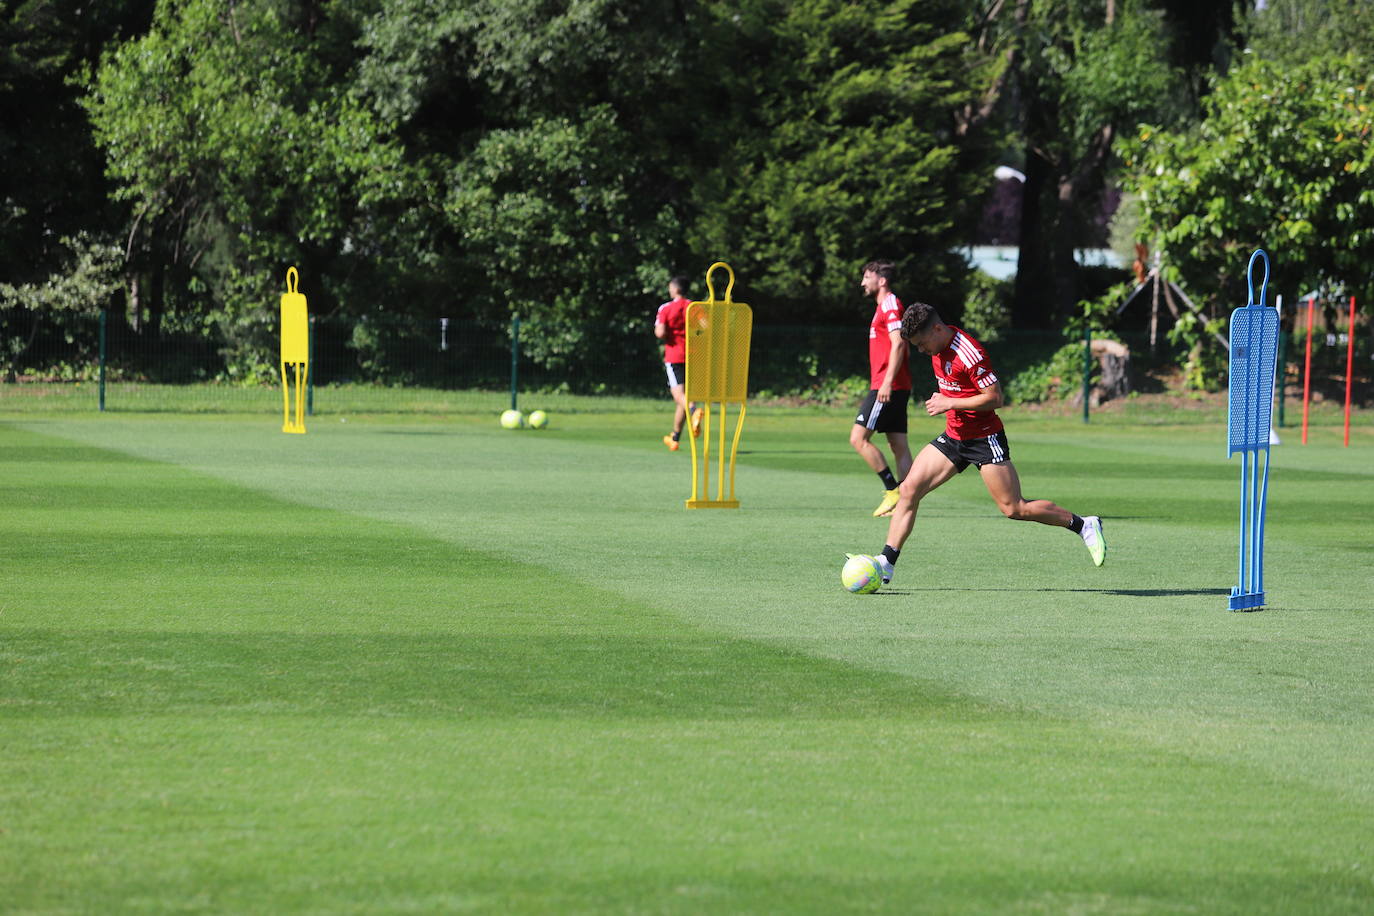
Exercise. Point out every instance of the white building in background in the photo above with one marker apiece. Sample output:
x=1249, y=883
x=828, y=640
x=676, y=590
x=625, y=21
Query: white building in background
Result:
x=999, y=261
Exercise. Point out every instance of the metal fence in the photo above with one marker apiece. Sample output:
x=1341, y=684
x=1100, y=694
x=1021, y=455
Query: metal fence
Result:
x=57, y=360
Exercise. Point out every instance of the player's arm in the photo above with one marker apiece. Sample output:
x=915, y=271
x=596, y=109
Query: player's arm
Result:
x=660, y=329
x=895, y=357
x=989, y=398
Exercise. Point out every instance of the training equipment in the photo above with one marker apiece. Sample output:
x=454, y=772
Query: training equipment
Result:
x=718, y=334
x=538, y=419
x=295, y=353
x=861, y=574
x=512, y=419
x=1307, y=367
x=1254, y=351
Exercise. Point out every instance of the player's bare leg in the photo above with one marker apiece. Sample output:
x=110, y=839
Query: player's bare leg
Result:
x=929, y=470
x=679, y=417
x=1005, y=486
x=901, y=453
x=861, y=438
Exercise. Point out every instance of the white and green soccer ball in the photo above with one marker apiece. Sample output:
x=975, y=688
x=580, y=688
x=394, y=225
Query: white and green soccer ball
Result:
x=538, y=419
x=512, y=419
x=861, y=574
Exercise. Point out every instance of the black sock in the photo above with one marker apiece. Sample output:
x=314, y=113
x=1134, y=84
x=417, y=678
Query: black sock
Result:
x=1076, y=526
x=889, y=482
x=677, y=433
x=892, y=553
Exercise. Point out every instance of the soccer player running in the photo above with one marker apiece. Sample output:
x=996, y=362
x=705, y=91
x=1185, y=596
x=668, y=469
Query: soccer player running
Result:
x=884, y=410
x=670, y=326
x=969, y=395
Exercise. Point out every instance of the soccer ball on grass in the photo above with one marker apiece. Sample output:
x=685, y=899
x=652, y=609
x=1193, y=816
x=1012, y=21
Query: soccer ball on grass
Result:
x=512, y=419
x=538, y=419
x=861, y=574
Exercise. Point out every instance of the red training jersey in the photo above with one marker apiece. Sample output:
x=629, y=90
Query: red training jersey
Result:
x=962, y=370
x=887, y=317
x=673, y=316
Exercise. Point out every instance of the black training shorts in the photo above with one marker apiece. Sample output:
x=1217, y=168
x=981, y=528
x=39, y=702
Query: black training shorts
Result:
x=884, y=418
x=962, y=452
x=677, y=374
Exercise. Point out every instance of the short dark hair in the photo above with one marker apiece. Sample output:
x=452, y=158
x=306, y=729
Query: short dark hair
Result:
x=917, y=318
x=680, y=282
x=885, y=269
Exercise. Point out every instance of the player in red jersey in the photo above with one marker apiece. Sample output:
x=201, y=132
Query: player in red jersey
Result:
x=670, y=326
x=884, y=410
x=969, y=395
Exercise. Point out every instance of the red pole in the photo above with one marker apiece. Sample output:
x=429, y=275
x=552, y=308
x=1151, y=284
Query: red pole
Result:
x=1349, y=366
x=1307, y=369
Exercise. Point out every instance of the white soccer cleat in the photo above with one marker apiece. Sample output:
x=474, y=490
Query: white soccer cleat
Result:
x=884, y=567
x=1092, y=536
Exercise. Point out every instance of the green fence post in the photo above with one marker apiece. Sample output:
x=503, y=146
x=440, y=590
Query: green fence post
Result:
x=1087, y=366
x=310, y=370
x=103, y=313
x=514, y=357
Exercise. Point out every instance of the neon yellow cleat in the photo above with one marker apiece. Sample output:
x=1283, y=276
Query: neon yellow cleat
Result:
x=889, y=503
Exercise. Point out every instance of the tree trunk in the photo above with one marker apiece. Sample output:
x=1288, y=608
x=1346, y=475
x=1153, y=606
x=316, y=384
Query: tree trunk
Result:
x=1033, y=291
x=156, y=294
x=135, y=303
x=1114, y=381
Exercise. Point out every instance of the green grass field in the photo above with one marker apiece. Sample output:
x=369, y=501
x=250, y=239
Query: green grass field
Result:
x=417, y=663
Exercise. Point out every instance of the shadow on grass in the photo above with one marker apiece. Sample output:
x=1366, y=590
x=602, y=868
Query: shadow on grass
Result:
x=1126, y=592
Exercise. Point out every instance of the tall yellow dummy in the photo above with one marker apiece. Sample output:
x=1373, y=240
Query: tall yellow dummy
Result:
x=718, y=334
x=295, y=354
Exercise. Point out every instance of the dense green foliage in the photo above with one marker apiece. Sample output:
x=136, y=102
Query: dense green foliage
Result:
x=1086, y=72
x=479, y=159
x=406, y=155
x=1282, y=159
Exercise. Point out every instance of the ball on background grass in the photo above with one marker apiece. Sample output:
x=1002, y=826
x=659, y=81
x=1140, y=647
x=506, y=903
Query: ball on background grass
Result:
x=861, y=575
x=538, y=419
x=512, y=419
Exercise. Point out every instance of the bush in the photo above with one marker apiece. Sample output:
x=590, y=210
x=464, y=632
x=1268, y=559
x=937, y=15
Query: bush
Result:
x=1055, y=377
x=987, y=310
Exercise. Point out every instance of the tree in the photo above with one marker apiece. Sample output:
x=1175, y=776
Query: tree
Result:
x=241, y=151
x=1283, y=159
x=837, y=145
x=1083, y=71
x=52, y=189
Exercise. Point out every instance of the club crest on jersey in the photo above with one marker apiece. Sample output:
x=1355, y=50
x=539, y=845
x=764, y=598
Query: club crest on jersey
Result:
x=948, y=366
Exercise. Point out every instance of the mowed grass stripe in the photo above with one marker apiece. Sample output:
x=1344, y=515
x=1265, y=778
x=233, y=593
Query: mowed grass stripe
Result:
x=337, y=714
x=1009, y=612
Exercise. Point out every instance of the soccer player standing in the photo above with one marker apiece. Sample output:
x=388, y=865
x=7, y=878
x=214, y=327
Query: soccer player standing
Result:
x=969, y=395
x=670, y=326
x=884, y=410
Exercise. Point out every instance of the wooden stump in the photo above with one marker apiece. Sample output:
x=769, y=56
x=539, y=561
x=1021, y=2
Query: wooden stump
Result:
x=1114, y=359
